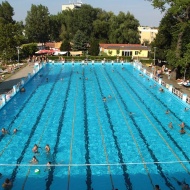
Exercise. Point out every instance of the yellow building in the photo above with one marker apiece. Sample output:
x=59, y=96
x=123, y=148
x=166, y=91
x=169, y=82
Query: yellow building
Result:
x=136, y=51
x=55, y=45
x=147, y=34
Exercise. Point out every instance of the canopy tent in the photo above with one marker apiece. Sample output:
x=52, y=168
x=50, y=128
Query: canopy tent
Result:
x=75, y=53
x=45, y=51
x=60, y=53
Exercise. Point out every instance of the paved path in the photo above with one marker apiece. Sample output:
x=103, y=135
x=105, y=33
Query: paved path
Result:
x=8, y=84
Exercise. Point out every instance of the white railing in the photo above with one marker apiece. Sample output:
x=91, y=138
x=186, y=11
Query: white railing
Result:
x=4, y=98
x=175, y=91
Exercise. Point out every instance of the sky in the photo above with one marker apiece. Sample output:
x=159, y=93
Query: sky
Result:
x=142, y=10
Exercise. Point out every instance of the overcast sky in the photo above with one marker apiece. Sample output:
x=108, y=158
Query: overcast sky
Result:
x=141, y=9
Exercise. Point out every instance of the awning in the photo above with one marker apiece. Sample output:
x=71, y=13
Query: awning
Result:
x=74, y=53
x=60, y=53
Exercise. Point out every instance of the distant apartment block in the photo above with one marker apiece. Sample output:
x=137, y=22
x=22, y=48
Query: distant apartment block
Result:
x=72, y=6
x=147, y=34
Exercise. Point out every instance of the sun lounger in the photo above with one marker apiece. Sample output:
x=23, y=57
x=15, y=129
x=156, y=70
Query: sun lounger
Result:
x=186, y=84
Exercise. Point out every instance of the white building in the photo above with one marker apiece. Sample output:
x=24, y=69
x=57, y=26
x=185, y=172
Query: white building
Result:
x=147, y=34
x=72, y=6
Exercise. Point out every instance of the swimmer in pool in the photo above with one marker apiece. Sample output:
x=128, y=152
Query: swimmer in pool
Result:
x=48, y=167
x=4, y=131
x=35, y=148
x=34, y=160
x=170, y=125
x=47, y=148
x=15, y=131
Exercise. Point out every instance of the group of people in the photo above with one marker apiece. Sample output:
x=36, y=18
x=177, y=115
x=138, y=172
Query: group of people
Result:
x=105, y=98
x=4, y=131
x=182, y=125
x=35, y=160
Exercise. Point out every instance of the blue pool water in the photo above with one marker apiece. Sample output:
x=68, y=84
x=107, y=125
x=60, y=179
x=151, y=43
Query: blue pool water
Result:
x=94, y=144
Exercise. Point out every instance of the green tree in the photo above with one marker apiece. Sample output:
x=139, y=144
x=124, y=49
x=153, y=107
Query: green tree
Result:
x=94, y=48
x=179, y=31
x=67, y=29
x=65, y=46
x=101, y=26
x=83, y=19
x=124, y=29
x=29, y=49
x=80, y=41
x=10, y=32
x=6, y=13
x=110, y=52
x=55, y=28
x=164, y=38
x=118, y=51
x=37, y=26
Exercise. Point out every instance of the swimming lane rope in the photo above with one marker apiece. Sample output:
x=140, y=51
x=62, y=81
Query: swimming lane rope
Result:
x=102, y=136
x=72, y=136
x=155, y=128
x=130, y=130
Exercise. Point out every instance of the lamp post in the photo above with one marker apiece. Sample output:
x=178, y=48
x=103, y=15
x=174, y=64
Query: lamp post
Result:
x=185, y=70
x=18, y=51
x=154, y=55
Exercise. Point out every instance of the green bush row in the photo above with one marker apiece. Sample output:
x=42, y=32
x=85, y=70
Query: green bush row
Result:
x=81, y=58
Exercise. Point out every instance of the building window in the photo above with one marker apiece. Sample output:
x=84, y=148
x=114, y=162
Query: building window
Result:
x=136, y=52
x=126, y=53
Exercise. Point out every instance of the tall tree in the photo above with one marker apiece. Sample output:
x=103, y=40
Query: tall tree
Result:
x=164, y=39
x=101, y=26
x=80, y=41
x=179, y=31
x=6, y=13
x=124, y=29
x=65, y=46
x=55, y=28
x=10, y=32
x=180, y=10
x=37, y=26
x=83, y=19
x=94, y=47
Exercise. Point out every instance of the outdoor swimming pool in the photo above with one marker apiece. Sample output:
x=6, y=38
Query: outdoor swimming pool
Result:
x=94, y=144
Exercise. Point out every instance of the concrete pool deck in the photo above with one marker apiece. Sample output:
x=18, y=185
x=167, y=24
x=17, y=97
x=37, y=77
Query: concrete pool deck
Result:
x=8, y=84
x=173, y=82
